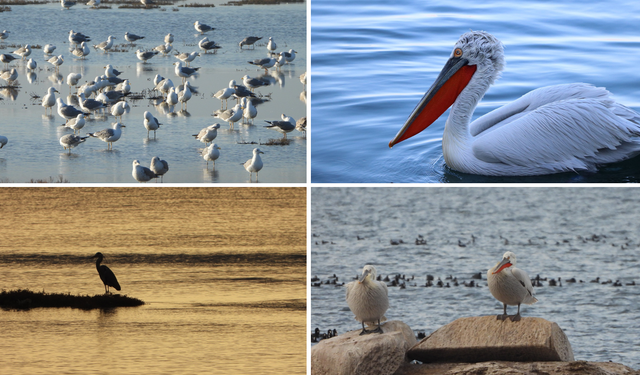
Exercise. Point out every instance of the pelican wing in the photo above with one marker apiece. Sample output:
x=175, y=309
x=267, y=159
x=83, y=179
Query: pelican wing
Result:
x=586, y=129
x=525, y=281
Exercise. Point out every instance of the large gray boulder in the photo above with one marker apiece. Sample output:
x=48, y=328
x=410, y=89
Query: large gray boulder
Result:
x=480, y=339
x=372, y=354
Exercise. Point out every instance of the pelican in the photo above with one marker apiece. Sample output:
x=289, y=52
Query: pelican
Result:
x=106, y=275
x=510, y=285
x=368, y=299
x=553, y=129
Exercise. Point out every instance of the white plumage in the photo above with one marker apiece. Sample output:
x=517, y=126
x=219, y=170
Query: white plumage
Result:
x=510, y=285
x=368, y=299
x=254, y=164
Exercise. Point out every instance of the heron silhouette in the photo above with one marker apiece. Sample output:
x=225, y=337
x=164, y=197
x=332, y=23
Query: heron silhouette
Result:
x=106, y=275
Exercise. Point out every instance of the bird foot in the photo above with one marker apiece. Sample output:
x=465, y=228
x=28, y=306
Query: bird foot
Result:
x=515, y=318
x=377, y=330
x=365, y=332
x=502, y=317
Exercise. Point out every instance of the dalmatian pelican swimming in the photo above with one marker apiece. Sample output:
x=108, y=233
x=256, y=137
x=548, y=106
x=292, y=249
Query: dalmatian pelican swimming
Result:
x=553, y=129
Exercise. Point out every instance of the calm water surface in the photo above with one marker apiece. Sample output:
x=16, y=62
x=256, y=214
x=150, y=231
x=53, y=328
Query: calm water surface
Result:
x=372, y=63
x=224, y=290
x=555, y=233
x=34, y=152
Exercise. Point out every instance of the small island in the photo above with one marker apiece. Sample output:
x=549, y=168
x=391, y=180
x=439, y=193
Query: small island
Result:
x=24, y=299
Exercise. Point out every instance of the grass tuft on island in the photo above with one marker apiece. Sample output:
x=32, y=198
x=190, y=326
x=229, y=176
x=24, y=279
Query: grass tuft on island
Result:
x=24, y=299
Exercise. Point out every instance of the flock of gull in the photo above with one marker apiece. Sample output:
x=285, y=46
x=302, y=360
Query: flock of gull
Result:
x=107, y=94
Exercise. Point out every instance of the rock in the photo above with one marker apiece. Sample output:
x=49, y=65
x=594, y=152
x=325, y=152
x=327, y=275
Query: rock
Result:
x=370, y=354
x=481, y=339
x=512, y=368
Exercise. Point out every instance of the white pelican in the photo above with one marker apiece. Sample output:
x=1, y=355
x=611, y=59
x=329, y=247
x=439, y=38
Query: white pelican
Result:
x=568, y=127
x=510, y=285
x=368, y=299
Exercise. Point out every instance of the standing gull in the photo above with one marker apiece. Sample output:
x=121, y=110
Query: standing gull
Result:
x=283, y=127
x=207, y=45
x=271, y=46
x=249, y=41
x=70, y=141
x=368, y=299
x=93, y=3
x=254, y=164
x=105, y=46
x=510, y=285
x=225, y=93
x=4, y=34
x=185, y=95
x=164, y=49
x=172, y=98
x=31, y=64
x=253, y=83
x=183, y=71
x=109, y=135
x=49, y=99
x=168, y=38
x=7, y=59
x=187, y=57
x=131, y=38
x=264, y=63
x=68, y=112
x=144, y=56
x=82, y=51
x=159, y=167
x=250, y=111
x=48, y=49
x=201, y=27
x=151, y=123
x=23, y=51
x=211, y=153
x=66, y=4
x=90, y=105
x=301, y=125
x=9, y=75
x=76, y=123
x=106, y=275
x=289, y=56
x=230, y=115
x=208, y=134
x=56, y=61
x=140, y=173
x=77, y=38
x=119, y=109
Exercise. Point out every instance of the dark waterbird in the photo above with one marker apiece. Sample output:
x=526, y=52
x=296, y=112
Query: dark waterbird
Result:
x=106, y=275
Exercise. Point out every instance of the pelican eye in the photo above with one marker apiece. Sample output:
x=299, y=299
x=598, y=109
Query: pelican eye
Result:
x=457, y=52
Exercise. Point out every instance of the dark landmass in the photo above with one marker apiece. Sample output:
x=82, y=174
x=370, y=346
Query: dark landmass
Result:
x=23, y=299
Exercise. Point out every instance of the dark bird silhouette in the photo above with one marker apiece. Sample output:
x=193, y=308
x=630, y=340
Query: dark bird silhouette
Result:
x=106, y=275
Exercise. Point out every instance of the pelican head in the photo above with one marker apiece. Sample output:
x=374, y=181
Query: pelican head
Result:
x=367, y=272
x=508, y=260
x=98, y=255
x=477, y=54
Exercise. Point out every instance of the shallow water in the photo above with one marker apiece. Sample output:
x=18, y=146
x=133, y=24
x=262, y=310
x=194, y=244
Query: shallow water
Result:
x=554, y=232
x=34, y=152
x=373, y=63
x=217, y=299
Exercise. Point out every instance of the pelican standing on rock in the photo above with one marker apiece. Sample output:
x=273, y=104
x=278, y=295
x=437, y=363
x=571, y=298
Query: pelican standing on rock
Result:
x=553, y=129
x=510, y=285
x=106, y=275
x=368, y=299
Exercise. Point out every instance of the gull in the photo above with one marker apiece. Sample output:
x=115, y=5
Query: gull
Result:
x=172, y=97
x=289, y=56
x=249, y=41
x=184, y=71
x=230, y=115
x=56, y=61
x=49, y=99
x=119, y=109
x=254, y=164
x=164, y=49
x=140, y=173
x=159, y=167
x=3, y=139
x=280, y=61
x=301, y=125
x=283, y=127
x=90, y=105
x=168, y=38
x=271, y=46
x=184, y=95
x=264, y=63
x=9, y=75
x=76, y=123
x=253, y=83
x=124, y=87
x=67, y=3
x=68, y=112
x=208, y=134
x=111, y=72
x=164, y=86
x=144, y=56
x=207, y=45
x=132, y=37
x=146, y=3
x=93, y=3
x=31, y=64
x=4, y=34
x=303, y=79
x=250, y=112
x=157, y=79
x=70, y=141
x=241, y=91
x=109, y=135
x=211, y=153
x=108, y=97
x=225, y=93
x=151, y=123
x=23, y=51
x=201, y=27
x=368, y=299
x=510, y=285
x=187, y=57
x=73, y=79
x=81, y=51
x=48, y=49
x=6, y=59
x=105, y=46
x=77, y=38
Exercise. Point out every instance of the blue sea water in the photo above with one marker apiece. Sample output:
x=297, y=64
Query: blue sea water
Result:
x=371, y=64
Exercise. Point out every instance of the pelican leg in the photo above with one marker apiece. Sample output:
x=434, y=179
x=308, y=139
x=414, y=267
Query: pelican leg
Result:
x=504, y=316
x=379, y=329
x=364, y=331
x=516, y=318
